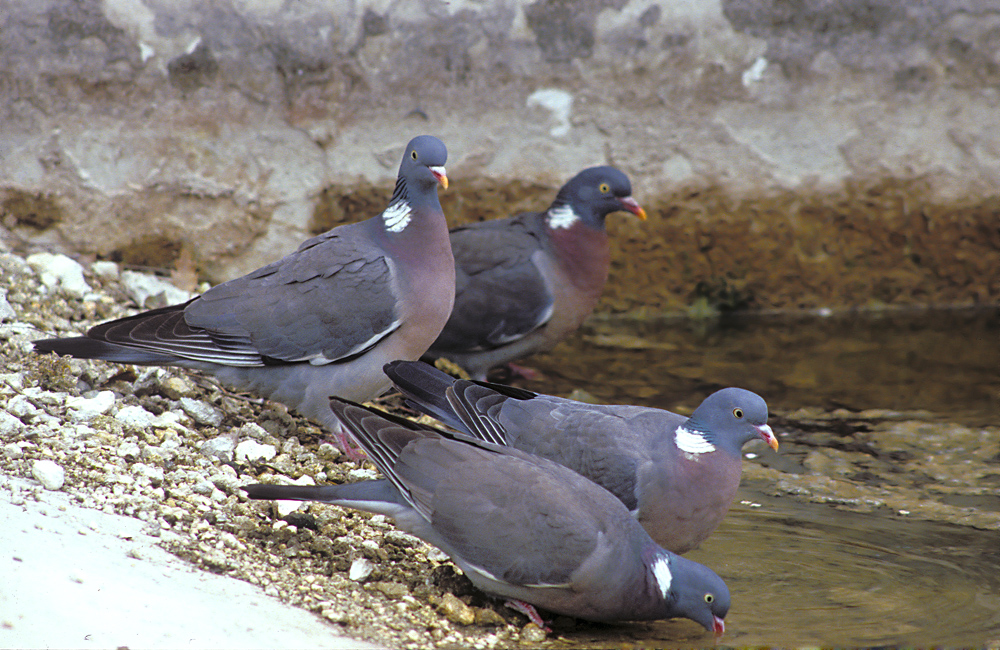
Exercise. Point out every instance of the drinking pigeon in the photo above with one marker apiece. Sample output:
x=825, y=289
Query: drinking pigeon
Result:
x=521, y=527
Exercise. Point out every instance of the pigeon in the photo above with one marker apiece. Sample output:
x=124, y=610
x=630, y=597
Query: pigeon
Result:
x=321, y=321
x=527, y=282
x=677, y=475
x=521, y=527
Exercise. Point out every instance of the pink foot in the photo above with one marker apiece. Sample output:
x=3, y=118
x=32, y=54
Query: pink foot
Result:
x=524, y=371
x=529, y=611
x=346, y=444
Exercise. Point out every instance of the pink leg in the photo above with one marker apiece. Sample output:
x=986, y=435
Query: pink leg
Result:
x=346, y=444
x=529, y=611
x=524, y=371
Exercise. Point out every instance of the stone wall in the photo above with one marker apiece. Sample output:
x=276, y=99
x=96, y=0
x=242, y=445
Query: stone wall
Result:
x=777, y=145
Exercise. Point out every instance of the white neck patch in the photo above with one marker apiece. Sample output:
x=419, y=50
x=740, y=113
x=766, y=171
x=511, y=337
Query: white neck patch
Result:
x=397, y=216
x=562, y=216
x=692, y=443
x=662, y=575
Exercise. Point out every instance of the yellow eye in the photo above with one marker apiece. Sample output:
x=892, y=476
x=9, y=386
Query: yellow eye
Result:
x=738, y=412
x=709, y=598
x=413, y=154
x=604, y=188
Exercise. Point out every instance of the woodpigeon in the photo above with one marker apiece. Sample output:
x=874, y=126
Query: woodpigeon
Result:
x=521, y=527
x=677, y=475
x=321, y=321
x=527, y=282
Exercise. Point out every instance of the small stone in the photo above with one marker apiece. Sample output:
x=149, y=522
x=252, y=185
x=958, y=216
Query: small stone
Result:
x=135, y=417
x=150, y=292
x=177, y=387
x=362, y=474
x=361, y=568
x=129, y=450
x=59, y=271
x=9, y=424
x=105, y=270
x=201, y=412
x=83, y=409
x=487, y=617
x=393, y=590
x=532, y=634
x=456, y=611
x=50, y=475
x=13, y=450
x=220, y=447
x=400, y=538
x=6, y=311
x=252, y=451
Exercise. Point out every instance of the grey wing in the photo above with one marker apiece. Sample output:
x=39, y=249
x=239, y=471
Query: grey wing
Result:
x=500, y=294
x=515, y=522
x=330, y=300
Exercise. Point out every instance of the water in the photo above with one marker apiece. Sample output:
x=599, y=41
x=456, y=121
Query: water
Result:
x=808, y=574
x=947, y=362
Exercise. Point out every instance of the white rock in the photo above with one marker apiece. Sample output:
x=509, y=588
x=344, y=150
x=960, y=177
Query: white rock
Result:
x=83, y=409
x=201, y=412
x=20, y=406
x=135, y=417
x=6, y=311
x=362, y=474
x=48, y=474
x=105, y=270
x=361, y=568
x=251, y=451
x=129, y=449
x=9, y=424
x=59, y=271
x=144, y=287
x=286, y=507
x=219, y=447
x=13, y=450
x=557, y=102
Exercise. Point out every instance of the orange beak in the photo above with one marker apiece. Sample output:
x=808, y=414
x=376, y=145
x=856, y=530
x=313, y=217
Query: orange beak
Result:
x=440, y=174
x=630, y=204
x=768, y=436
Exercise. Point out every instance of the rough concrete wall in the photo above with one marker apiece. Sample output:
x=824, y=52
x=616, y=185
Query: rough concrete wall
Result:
x=150, y=129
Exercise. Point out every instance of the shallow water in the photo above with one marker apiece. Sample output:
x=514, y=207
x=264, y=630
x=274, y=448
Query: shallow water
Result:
x=946, y=362
x=807, y=574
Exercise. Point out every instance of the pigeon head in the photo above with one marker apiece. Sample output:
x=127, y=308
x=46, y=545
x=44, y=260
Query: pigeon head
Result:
x=591, y=196
x=699, y=594
x=423, y=163
x=727, y=419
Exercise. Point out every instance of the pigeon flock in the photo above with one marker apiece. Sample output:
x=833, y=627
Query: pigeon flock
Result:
x=579, y=509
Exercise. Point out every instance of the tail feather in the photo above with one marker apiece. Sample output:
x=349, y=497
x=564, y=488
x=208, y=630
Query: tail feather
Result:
x=424, y=387
x=83, y=347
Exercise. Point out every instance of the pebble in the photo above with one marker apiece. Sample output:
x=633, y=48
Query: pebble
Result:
x=201, y=412
x=59, y=271
x=252, y=451
x=456, y=611
x=361, y=568
x=83, y=409
x=105, y=270
x=177, y=387
x=531, y=633
x=135, y=417
x=9, y=425
x=151, y=292
x=220, y=447
x=6, y=311
x=49, y=474
x=12, y=450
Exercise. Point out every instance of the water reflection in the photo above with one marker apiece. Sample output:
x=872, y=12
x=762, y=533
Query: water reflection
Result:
x=944, y=362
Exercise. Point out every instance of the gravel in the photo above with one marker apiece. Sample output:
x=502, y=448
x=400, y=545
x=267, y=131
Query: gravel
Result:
x=170, y=449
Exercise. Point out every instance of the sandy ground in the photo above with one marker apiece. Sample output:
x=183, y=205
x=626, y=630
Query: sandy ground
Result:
x=78, y=578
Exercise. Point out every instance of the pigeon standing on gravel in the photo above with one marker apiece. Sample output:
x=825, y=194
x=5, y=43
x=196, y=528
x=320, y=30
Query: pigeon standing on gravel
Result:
x=520, y=527
x=527, y=282
x=321, y=321
x=677, y=475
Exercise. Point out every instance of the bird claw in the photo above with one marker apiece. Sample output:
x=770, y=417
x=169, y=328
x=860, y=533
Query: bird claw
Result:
x=529, y=611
